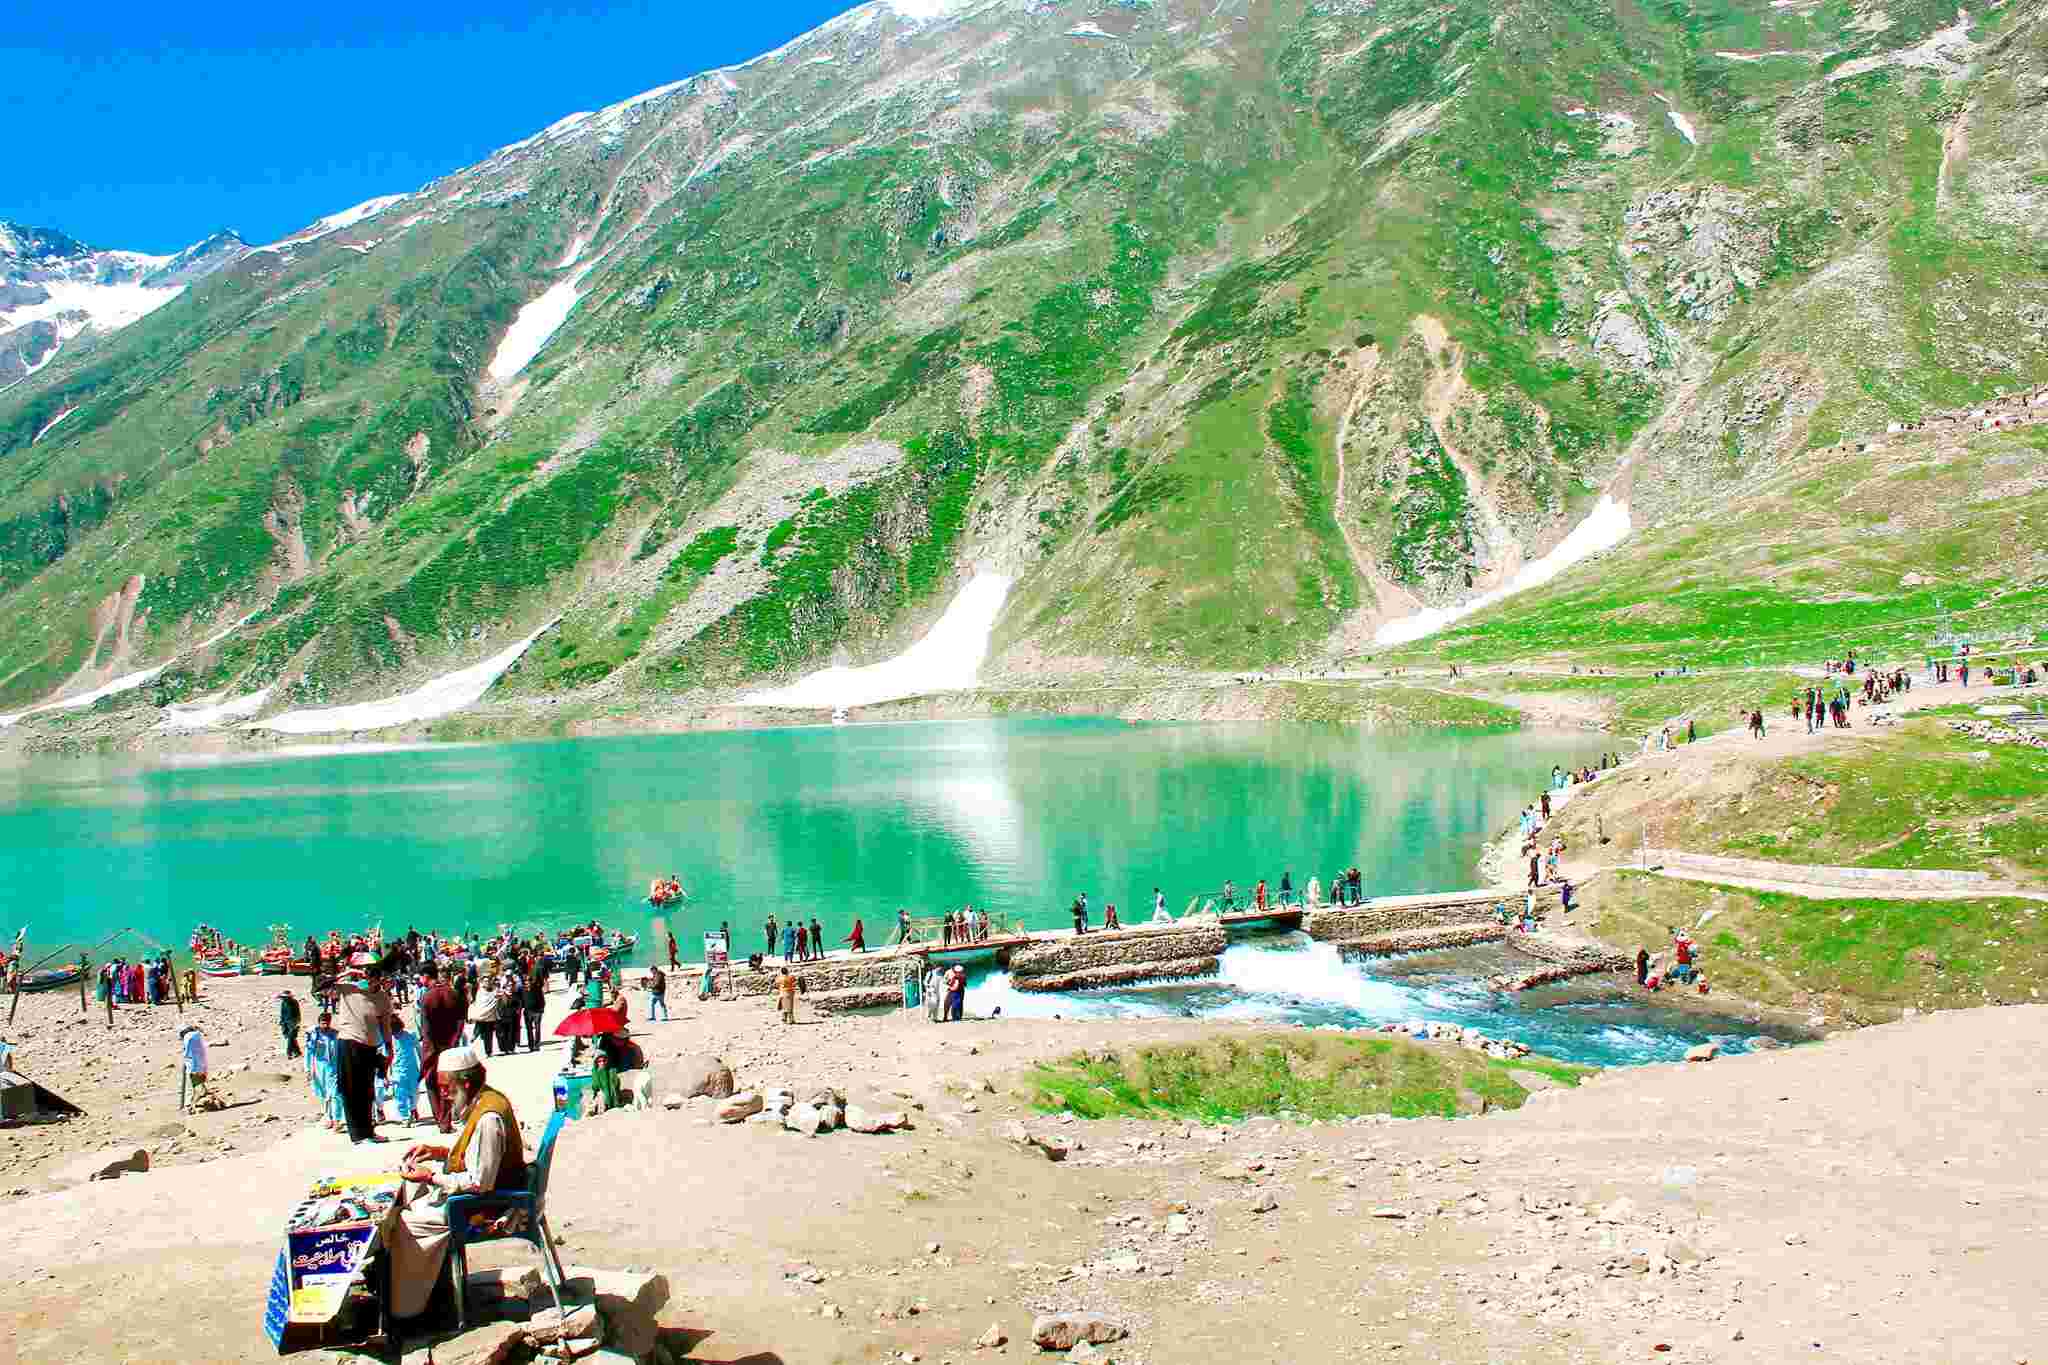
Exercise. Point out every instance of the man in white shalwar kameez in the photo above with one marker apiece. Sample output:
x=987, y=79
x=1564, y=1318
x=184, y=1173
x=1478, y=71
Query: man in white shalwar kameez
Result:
x=486, y=1155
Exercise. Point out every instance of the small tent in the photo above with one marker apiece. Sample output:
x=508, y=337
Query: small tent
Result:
x=23, y=1101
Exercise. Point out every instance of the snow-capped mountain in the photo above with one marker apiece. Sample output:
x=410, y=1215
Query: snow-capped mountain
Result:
x=54, y=288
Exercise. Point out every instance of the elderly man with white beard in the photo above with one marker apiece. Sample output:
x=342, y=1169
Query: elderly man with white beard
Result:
x=487, y=1155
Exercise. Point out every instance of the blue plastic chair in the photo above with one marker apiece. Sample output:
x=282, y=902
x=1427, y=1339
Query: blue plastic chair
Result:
x=475, y=1218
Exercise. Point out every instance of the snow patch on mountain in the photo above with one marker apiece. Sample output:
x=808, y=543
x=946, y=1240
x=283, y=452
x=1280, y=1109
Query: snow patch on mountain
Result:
x=1605, y=527
x=948, y=658
x=127, y=682
x=50, y=425
x=443, y=696
x=335, y=222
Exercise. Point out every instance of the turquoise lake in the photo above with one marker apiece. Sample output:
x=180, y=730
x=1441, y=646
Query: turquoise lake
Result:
x=833, y=822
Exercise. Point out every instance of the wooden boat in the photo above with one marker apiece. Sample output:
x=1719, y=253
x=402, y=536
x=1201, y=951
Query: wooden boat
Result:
x=224, y=967
x=51, y=978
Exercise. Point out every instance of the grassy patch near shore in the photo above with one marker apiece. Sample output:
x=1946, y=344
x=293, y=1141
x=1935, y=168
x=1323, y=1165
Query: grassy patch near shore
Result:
x=1313, y=1075
x=1926, y=797
x=1862, y=959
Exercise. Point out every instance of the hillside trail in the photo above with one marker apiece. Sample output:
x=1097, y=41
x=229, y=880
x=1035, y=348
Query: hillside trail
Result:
x=1726, y=765
x=1440, y=397
x=1390, y=600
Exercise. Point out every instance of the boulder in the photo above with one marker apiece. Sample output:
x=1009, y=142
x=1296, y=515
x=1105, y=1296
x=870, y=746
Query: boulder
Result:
x=699, y=1074
x=1764, y=1042
x=1265, y=1203
x=1050, y=1146
x=826, y=1099
x=628, y=1301
x=1705, y=1052
x=492, y=1344
x=806, y=1119
x=521, y=1283
x=563, y=1324
x=862, y=1120
x=992, y=1337
x=744, y=1105
x=1064, y=1331
x=108, y=1164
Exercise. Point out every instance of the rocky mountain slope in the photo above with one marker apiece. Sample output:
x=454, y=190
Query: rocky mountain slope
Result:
x=1232, y=331
x=54, y=288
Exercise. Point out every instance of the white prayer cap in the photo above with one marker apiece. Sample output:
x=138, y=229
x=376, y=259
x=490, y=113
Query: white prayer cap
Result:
x=459, y=1059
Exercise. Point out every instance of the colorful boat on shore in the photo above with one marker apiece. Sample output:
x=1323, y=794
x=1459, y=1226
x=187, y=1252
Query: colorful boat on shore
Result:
x=51, y=978
x=221, y=967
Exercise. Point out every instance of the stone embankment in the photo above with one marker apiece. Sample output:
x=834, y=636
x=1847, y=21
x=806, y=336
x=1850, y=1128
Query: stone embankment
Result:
x=1117, y=957
x=832, y=985
x=1413, y=924
x=1568, y=957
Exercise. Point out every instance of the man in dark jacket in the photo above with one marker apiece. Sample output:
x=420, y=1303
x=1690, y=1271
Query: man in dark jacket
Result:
x=534, y=1001
x=441, y=1018
x=288, y=1022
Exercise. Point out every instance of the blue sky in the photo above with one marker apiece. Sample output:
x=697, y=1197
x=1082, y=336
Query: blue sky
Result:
x=263, y=117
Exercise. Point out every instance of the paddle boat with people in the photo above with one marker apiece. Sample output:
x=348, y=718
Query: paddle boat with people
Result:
x=665, y=891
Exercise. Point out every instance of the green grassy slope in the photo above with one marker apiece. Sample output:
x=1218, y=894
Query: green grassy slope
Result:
x=1097, y=312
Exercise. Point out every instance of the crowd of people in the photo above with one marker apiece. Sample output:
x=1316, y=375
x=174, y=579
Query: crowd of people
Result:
x=1653, y=973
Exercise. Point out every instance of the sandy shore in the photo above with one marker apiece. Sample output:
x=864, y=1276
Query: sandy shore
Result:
x=1796, y=1197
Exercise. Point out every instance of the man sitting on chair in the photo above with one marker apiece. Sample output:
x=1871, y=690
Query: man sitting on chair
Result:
x=487, y=1155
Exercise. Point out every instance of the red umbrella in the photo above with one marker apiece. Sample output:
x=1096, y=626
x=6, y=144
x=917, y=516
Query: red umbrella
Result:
x=590, y=1023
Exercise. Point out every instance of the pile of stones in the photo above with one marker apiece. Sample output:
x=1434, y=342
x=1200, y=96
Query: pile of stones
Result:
x=820, y=1111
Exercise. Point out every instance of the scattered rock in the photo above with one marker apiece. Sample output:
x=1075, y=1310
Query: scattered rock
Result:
x=1705, y=1052
x=744, y=1105
x=551, y=1325
x=1178, y=1225
x=1047, y=1145
x=1265, y=1203
x=992, y=1337
x=671, y=1100
x=1384, y=1212
x=1088, y=1354
x=862, y=1120
x=108, y=1164
x=805, y=1119
x=492, y=1344
x=1064, y=1331
x=627, y=1300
